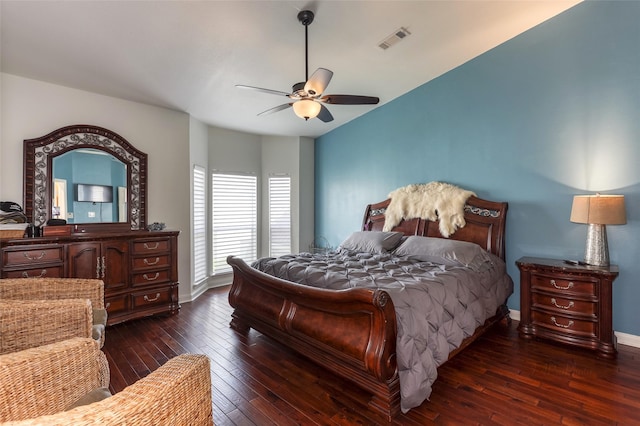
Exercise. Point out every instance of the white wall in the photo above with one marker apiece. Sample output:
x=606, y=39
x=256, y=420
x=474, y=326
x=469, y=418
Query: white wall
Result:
x=32, y=108
x=232, y=151
x=292, y=156
x=173, y=141
x=198, y=153
x=306, y=193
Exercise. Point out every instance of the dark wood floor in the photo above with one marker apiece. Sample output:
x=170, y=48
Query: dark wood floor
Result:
x=500, y=379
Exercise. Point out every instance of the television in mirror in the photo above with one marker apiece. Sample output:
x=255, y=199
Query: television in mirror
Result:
x=93, y=193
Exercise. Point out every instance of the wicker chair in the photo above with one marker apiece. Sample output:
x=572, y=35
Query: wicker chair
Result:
x=57, y=289
x=26, y=324
x=37, y=386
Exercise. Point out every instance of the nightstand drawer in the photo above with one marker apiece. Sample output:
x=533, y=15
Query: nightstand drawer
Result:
x=567, y=303
x=563, y=284
x=564, y=325
x=564, y=304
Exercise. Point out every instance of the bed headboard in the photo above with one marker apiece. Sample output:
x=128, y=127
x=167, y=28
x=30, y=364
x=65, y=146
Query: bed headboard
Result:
x=485, y=226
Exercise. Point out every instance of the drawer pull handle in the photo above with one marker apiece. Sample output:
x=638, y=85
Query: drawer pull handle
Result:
x=553, y=319
x=148, y=247
x=148, y=278
x=570, y=285
x=42, y=256
x=146, y=298
x=555, y=303
x=107, y=305
x=151, y=263
x=43, y=273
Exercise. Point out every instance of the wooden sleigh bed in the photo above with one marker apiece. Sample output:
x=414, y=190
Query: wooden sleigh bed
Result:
x=352, y=332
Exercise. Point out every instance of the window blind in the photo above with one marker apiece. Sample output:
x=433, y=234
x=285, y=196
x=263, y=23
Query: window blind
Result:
x=279, y=215
x=199, y=225
x=234, y=219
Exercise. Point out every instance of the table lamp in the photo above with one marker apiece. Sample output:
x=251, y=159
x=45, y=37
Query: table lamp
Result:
x=598, y=211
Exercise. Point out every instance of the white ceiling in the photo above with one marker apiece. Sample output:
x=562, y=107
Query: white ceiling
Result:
x=189, y=55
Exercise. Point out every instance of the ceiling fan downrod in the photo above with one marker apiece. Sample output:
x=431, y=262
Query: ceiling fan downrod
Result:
x=306, y=18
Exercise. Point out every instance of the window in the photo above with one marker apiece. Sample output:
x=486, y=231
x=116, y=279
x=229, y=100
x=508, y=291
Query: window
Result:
x=199, y=225
x=234, y=219
x=279, y=215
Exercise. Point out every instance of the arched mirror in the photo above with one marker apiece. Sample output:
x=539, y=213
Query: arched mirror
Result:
x=87, y=175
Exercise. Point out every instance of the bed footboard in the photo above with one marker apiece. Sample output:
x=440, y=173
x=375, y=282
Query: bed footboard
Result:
x=351, y=332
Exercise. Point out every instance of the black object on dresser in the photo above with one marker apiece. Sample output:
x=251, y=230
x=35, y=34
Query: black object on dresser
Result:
x=567, y=303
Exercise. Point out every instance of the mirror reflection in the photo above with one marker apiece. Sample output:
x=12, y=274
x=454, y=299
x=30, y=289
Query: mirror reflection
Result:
x=89, y=186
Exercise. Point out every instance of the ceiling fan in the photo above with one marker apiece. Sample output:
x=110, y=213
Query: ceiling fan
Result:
x=307, y=96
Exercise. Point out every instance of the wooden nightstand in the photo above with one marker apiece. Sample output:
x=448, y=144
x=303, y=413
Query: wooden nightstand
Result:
x=567, y=303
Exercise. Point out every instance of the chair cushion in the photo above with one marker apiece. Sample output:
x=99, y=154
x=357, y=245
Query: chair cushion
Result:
x=95, y=395
x=99, y=325
x=100, y=316
x=97, y=331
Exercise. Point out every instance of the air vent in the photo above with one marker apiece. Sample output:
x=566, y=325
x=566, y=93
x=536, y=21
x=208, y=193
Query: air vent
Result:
x=397, y=35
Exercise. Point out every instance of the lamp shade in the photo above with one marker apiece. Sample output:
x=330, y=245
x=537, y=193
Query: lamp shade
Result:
x=306, y=108
x=598, y=209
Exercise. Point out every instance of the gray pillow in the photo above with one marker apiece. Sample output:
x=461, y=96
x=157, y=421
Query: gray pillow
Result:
x=443, y=251
x=372, y=241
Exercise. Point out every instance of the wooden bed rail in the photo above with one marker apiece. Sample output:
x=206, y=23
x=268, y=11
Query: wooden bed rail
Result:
x=352, y=332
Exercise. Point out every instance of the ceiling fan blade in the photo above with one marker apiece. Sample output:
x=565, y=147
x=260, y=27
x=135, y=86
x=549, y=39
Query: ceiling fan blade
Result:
x=324, y=114
x=260, y=89
x=318, y=82
x=276, y=109
x=350, y=100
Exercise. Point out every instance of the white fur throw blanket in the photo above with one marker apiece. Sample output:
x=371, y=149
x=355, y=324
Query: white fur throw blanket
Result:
x=431, y=201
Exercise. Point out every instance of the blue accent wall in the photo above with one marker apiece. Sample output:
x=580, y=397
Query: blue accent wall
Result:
x=549, y=114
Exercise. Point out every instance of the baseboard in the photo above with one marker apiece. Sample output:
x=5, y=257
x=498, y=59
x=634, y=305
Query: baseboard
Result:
x=623, y=338
x=200, y=288
x=628, y=339
x=515, y=315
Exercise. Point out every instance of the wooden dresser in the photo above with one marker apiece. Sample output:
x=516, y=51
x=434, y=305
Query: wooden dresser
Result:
x=567, y=303
x=139, y=268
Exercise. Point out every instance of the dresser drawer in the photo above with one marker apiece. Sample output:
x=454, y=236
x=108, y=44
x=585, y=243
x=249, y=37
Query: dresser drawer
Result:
x=54, y=271
x=564, y=304
x=116, y=304
x=151, y=277
x=565, y=284
x=564, y=325
x=25, y=256
x=158, y=296
x=143, y=263
x=161, y=245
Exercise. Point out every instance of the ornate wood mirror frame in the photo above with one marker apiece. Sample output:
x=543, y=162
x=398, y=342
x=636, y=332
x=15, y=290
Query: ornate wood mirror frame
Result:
x=38, y=173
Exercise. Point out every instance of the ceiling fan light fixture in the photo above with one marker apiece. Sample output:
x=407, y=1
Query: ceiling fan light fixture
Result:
x=308, y=96
x=306, y=108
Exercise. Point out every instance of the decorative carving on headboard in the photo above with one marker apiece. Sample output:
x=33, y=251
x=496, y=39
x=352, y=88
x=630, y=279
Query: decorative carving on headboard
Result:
x=485, y=223
x=378, y=212
x=478, y=211
x=481, y=212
